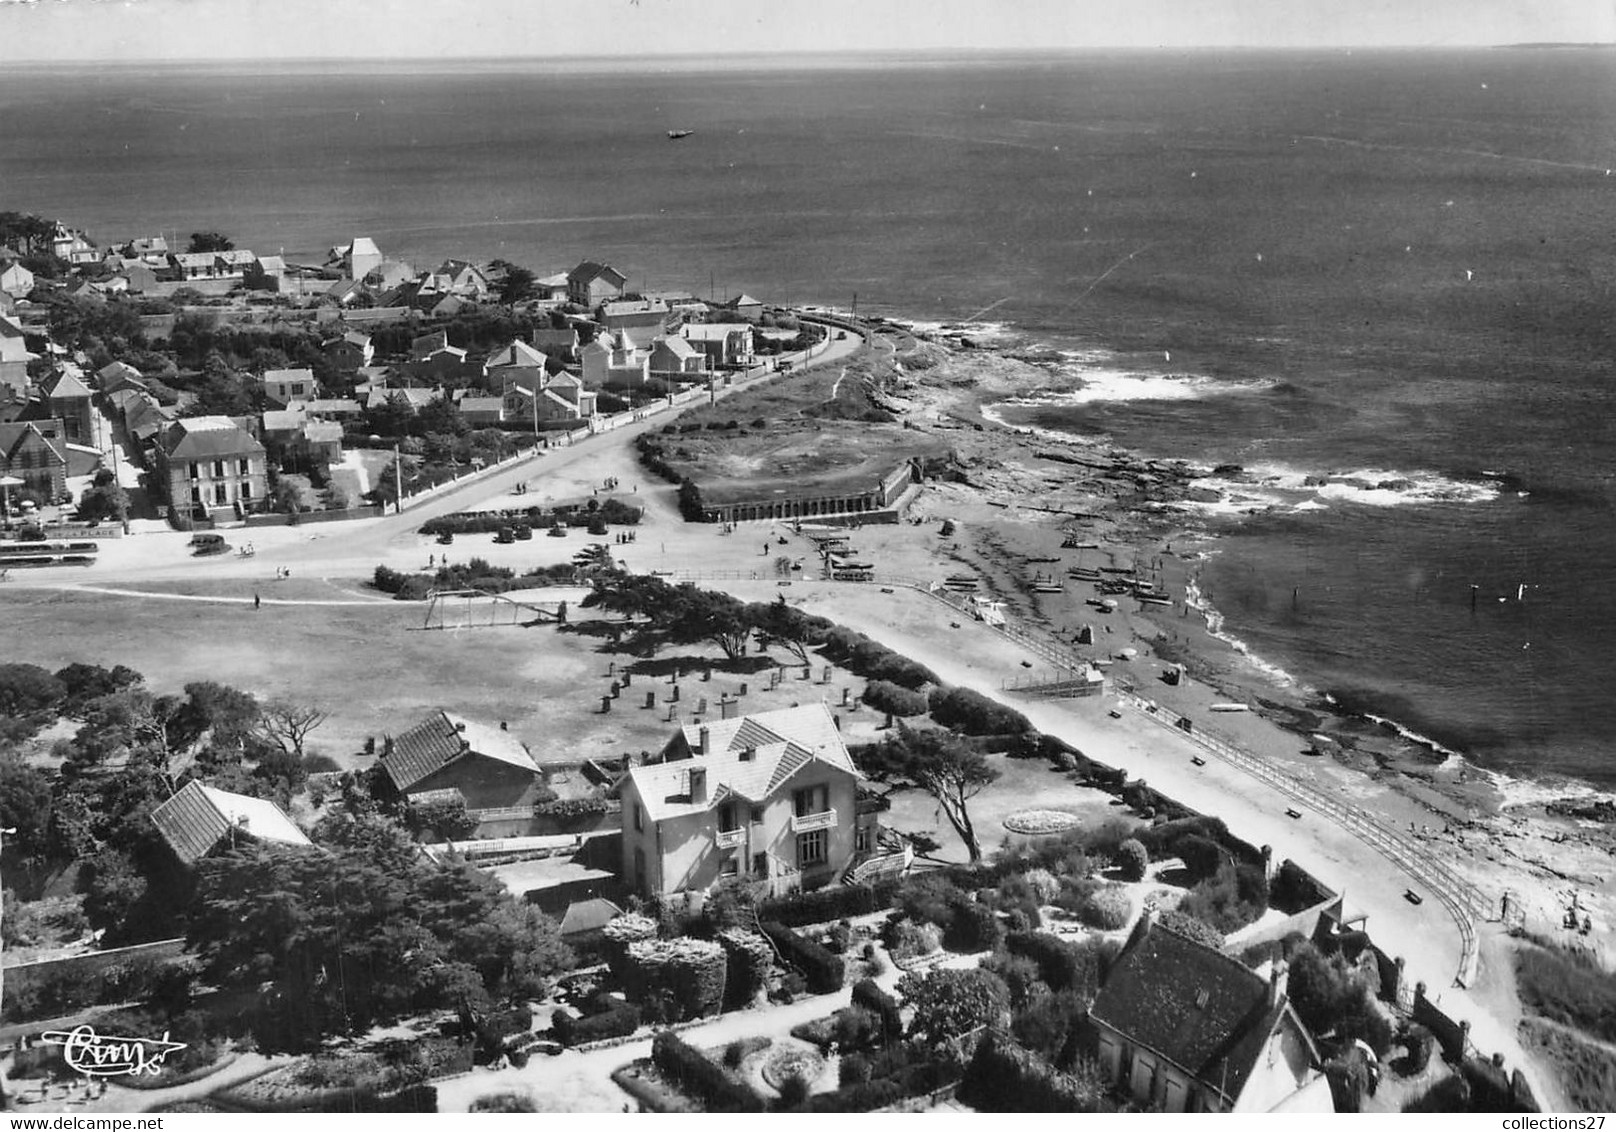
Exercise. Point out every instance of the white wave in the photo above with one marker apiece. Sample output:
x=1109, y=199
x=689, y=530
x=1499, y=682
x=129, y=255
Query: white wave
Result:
x=1099, y=385
x=1301, y=490
x=1051, y=434
x=1451, y=758
x=973, y=330
x=1214, y=628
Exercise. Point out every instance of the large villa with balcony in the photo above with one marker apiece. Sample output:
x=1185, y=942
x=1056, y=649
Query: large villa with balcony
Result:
x=769, y=799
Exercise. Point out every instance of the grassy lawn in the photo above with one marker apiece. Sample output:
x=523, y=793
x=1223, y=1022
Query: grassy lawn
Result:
x=377, y=672
x=1022, y=784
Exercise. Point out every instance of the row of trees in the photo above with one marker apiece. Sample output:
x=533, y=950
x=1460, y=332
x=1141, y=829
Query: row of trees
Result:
x=661, y=614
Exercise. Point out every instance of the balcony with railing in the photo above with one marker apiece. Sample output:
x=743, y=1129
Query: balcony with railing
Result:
x=728, y=838
x=807, y=823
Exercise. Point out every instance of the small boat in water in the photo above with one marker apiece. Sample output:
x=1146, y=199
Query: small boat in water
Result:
x=675, y=135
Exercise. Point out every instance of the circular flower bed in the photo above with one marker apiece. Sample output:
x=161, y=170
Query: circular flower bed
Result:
x=789, y=1060
x=1036, y=822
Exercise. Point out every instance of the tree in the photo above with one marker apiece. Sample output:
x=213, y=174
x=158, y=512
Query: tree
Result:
x=517, y=284
x=948, y=1003
x=787, y=627
x=86, y=682
x=294, y=494
x=288, y=725
x=445, y=820
x=209, y=242
x=25, y=807
x=942, y=765
x=112, y=887
x=362, y=934
x=27, y=688
x=224, y=714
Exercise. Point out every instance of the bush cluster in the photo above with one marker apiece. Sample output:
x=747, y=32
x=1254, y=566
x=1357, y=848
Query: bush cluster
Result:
x=823, y=905
x=895, y=1072
x=1004, y=1077
x=824, y=970
x=1132, y=859
x=1107, y=909
x=895, y=699
x=751, y=958
x=971, y=712
x=571, y=1030
x=686, y=974
x=1064, y=965
x=875, y=661
x=868, y=994
x=693, y=1072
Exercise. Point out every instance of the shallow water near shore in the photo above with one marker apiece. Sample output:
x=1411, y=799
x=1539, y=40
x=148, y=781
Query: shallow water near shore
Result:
x=1383, y=268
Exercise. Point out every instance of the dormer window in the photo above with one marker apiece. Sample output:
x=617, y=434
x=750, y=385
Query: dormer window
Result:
x=726, y=817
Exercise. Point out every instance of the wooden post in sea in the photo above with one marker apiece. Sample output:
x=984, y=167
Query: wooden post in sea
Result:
x=1473, y=590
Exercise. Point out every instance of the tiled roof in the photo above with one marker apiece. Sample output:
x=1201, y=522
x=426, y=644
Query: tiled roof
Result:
x=322, y=432
x=442, y=739
x=678, y=347
x=1202, y=1010
x=751, y=757
x=208, y=438
x=13, y=434
x=196, y=819
x=588, y=915
x=68, y=385
x=482, y=404
x=588, y=271
x=517, y=354
x=334, y=406
x=714, y=331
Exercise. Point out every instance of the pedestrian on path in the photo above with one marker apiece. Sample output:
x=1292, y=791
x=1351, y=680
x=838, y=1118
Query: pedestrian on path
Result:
x=257, y=601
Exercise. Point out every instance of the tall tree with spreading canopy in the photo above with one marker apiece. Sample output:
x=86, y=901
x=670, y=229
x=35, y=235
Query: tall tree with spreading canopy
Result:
x=787, y=627
x=363, y=933
x=941, y=764
x=210, y=242
x=288, y=725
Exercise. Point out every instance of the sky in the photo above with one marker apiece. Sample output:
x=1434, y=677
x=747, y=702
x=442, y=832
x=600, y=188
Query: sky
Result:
x=270, y=30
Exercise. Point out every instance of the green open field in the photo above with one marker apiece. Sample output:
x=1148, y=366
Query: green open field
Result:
x=376, y=671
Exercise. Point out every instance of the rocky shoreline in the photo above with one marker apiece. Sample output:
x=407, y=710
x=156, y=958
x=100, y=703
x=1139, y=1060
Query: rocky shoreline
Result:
x=1023, y=492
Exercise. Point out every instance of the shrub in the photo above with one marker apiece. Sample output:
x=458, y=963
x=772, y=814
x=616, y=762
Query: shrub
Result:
x=867, y=993
x=823, y=905
x=1132, y=859
x=973, y=927
x=1418, y=1042
x=503, y=1102
x=1569, y=987
x=898, y=669
x=1004, y=1077
x=854, y=1070
x=1218, y=901
x=691, y=1070
x=1043, y=884
x=793, y=1091
x=909, y=939
x=824, y=971
x=1063, y=964
x=571, y=1030
x=1107, y=909
x=691, y=972
x=1020, y=974
x=1201, y=855
x=619, y=933
x=948, y=1003
x=894, y=700
x=750, y=959
x=969, y=711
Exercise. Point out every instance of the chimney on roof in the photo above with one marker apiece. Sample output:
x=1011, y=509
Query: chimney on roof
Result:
x=698, y=785
x=461, y=726
x=748, y=754
x=704, y=742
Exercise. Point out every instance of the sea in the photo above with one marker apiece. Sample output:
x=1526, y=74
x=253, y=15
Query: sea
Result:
x=1379, y=283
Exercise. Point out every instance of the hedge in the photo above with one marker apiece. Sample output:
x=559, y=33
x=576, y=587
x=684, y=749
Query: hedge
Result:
x=694, y=1073
x=868, y=994
x=838, y=902
x=1132, y=859
x=824, y=970
x=750, y=958
x=1061, y=964
x=689, y=971
x=1004, y=1077
x=571, y=1030
x=975, y=714
x=894, y=700
x=921, y=1073
x=619, y=933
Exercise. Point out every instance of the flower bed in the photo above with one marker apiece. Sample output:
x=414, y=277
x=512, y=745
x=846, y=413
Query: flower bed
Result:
x=1037, y=823
x=788, y=1060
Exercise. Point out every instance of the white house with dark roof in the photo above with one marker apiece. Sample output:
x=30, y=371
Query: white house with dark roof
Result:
x=590, y=284
x=201, y=819
x=209, y=465
x=449, y=755
x=674, y=359
x=770, y=799
x=724, y=343
x=283, y=386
